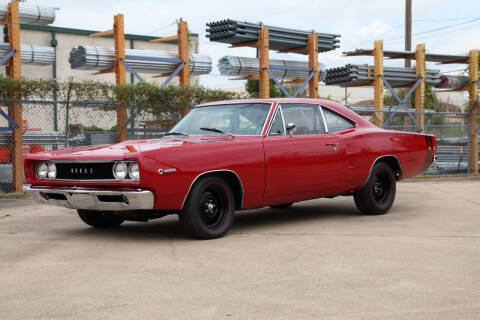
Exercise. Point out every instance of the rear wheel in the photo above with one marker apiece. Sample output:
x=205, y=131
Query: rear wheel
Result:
x=378, y=194
x=282, y=206
x=208, y=211
x=100, y=219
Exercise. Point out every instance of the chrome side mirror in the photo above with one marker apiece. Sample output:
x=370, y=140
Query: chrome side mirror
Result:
x=291, y=128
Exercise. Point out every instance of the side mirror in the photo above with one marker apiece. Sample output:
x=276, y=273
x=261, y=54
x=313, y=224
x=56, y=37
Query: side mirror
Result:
x=291, y=128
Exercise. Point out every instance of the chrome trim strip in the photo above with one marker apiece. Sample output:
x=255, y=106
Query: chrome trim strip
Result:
x=283, y=120
x=87, y=199
x=219, y=170
x=378, y=158
x=323, y=118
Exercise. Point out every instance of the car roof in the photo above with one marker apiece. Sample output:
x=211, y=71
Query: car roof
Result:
x=335, y=106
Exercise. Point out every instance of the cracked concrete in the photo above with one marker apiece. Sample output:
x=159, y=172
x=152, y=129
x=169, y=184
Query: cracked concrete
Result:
x=318, y=259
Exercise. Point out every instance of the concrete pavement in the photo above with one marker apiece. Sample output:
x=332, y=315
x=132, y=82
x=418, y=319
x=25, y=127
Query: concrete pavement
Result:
x=318, y=259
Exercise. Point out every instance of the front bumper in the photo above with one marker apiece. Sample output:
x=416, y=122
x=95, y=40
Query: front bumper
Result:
x=93, y=199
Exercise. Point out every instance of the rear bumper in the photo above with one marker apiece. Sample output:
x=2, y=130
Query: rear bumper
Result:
x=93, y=199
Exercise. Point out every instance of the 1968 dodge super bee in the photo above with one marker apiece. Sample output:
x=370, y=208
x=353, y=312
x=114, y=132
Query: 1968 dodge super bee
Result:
x=228, y=156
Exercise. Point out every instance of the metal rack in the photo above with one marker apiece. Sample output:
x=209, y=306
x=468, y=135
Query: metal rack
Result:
x=419, y=88
x=121, y=65
x=262, y=43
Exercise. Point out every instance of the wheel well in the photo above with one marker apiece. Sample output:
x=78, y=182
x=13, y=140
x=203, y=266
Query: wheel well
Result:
x=394, y=163
x=233, y=181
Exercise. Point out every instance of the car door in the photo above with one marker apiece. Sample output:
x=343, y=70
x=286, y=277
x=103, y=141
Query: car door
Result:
x=306, y=162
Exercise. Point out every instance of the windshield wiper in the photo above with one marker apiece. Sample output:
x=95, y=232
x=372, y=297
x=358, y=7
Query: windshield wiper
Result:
x=173, y=133
x=219, y=131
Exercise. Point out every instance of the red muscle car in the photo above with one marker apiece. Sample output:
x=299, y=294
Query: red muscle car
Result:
x=233, y=155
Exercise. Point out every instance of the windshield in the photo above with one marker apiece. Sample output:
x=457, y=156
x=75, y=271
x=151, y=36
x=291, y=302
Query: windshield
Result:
x=236, y=119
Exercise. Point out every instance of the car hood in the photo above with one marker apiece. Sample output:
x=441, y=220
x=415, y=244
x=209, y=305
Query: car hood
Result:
x=125, y=150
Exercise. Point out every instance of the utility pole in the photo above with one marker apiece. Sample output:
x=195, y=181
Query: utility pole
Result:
x=408, y=30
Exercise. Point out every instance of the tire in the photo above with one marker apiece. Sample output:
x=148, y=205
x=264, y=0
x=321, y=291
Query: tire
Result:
x=100, y=219
x=208, y=211
x=377, y=195
x=282, y=206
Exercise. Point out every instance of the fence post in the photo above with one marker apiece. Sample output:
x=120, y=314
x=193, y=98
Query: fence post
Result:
x=67, y=115
x=120, y=73
x=420, y=90
x=15, y=110
x=378, y=83
x=473, y=109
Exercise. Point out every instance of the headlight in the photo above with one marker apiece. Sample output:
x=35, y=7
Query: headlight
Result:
x=134, y=172
x=120, y=170
x=52, y=170
x=42, y=170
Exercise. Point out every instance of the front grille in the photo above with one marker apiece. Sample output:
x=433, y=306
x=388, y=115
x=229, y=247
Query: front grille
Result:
x=85, y=171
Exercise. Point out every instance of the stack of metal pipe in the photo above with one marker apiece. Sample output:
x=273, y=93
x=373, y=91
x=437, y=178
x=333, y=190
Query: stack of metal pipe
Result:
x=232, y=32
x=243, y=66
x=31, y=14
x=99, y=58
x=33, y=55
x=357, y=74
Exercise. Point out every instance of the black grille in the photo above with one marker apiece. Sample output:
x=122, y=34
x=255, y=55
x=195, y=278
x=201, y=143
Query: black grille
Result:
x=85, y=171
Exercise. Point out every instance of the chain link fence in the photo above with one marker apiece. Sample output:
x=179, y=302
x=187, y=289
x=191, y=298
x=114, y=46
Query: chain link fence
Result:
x=52, y=125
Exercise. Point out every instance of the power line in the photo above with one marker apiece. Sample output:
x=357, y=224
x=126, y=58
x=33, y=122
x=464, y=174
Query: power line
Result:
x=420, y=33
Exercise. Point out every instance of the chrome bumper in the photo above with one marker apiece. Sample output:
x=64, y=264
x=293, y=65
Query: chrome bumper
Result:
x=102, y=200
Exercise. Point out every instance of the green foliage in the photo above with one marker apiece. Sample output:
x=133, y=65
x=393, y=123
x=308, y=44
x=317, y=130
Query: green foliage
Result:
x=141, y=95
x=252, y=87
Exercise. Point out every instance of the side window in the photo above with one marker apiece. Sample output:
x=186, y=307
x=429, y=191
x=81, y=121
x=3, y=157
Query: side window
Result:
x=306, y=117
x=335, y=122
x=277, y=126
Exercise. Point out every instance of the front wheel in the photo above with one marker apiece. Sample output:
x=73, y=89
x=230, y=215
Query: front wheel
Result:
x=100, y=219
x=208, y=211
x=377, y=195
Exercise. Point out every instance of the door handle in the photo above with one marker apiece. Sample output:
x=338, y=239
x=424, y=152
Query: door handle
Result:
x=333, y=144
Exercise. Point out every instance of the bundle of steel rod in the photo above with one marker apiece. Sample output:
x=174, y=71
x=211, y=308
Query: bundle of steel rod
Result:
x=353, y=74
x=99, y=58
x=243, y=66
x=31, y=14
x=34, y=55
x=234, y=32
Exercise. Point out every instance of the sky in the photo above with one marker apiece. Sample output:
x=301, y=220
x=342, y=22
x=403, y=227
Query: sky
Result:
x=445, y=26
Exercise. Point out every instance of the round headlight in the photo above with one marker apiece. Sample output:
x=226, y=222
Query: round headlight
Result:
x=133, y=171
x=42, y=170
x=52, y=170
x=120, y=170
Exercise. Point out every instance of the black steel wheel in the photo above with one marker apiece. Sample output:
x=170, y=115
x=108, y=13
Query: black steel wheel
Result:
x=100, y=219
x=378, y=194
x=282, y=206
x=208, y=211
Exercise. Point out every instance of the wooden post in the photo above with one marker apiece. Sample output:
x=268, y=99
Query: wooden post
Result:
x=473, y=108
x=183, y=53
x=120, y=72
x=182, y=35
x=313, y=63
x=378, y=82
x=420, y=90
x=263, y=48
x=15, y=109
